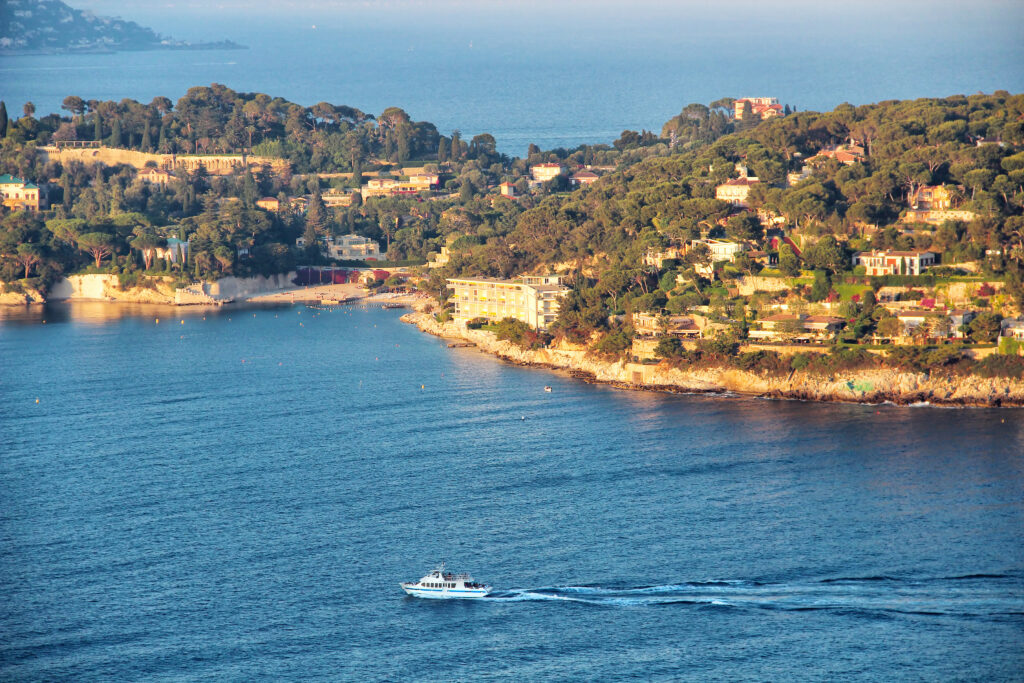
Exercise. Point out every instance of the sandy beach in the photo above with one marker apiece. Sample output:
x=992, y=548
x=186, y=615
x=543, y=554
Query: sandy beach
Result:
x=350, y=293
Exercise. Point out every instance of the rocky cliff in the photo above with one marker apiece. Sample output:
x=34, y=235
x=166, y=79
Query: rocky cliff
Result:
x=873, y=386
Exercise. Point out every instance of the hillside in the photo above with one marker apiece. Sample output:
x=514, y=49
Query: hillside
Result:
x=51, y=26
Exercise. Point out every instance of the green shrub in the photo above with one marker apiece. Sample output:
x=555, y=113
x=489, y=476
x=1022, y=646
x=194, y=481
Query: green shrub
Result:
x=1010, y=367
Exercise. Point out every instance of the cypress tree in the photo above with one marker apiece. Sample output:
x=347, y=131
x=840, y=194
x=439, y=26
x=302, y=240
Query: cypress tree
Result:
x=147, y=141
x=442, y=150
x=115, y=134
x=3, y=119
x=98, y=133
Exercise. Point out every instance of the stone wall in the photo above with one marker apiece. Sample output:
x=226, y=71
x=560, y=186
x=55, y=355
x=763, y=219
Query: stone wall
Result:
x=223, y=164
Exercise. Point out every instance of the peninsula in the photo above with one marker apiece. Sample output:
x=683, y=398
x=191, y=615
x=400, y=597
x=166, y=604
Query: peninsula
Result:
x=51, y=26
x=878, y=249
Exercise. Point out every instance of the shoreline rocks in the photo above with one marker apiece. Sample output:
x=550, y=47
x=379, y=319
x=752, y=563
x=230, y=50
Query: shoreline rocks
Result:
x=866, y=386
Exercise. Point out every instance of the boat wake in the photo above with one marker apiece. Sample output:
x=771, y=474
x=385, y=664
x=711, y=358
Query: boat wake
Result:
x=962, y=596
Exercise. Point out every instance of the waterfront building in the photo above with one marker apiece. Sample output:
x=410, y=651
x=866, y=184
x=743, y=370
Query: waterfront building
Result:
x=796, y=326
x=533, y=300
x=894, y=262
x=18, y=194
x=652, y=325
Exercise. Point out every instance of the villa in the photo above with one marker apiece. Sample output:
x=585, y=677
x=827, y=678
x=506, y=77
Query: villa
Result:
x=543, y=173
x=763, y=107
x=736, y=190
x=895, y=262
x=19, y=195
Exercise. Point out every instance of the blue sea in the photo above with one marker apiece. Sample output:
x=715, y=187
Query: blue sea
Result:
x=234, y=494
x=555, y=73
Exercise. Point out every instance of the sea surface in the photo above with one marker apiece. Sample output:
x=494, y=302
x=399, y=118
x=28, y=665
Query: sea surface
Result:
x=235, y=493
x=554, y=73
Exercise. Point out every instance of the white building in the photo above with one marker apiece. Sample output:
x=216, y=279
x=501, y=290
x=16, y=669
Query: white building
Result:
x=533, y=300
x=353, y=248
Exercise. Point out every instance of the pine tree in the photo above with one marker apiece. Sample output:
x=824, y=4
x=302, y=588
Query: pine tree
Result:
x=3, y=119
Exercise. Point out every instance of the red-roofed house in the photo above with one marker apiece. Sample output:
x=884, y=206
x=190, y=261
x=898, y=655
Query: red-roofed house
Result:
x=764, y=107
x=736, y=190
x=583, y=178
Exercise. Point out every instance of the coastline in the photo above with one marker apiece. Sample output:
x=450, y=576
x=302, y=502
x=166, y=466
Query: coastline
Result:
x=869, y=387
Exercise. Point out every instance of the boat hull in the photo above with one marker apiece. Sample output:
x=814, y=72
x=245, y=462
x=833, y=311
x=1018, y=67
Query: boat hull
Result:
x=446, y=593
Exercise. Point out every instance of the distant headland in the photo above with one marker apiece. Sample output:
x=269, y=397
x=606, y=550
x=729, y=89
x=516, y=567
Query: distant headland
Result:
x=51, y=27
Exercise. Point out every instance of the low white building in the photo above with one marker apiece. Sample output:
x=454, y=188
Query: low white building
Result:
x=721, y=250
x=353, y=248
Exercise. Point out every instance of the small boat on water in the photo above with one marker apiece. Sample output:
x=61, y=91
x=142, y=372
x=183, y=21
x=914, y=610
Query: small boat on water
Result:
x=445, y=585
x=547, y=389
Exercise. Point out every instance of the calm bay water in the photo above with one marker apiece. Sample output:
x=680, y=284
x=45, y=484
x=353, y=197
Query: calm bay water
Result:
x=238, y=496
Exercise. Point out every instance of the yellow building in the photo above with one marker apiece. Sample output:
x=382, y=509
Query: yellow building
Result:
x=735, y=191
x=533, y=300
x=543, y=173
x=931, y=198
x=269, y=204
x=19, y=195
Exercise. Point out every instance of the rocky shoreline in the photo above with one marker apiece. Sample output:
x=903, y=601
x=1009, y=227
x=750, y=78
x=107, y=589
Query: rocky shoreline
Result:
x=865, y=386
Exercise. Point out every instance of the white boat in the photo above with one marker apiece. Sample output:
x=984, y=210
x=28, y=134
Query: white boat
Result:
x=445, y=585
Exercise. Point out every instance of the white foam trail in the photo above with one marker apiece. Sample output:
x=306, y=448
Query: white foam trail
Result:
x=981, y=597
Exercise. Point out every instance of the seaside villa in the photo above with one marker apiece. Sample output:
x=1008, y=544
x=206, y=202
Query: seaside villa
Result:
x=531, y=299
